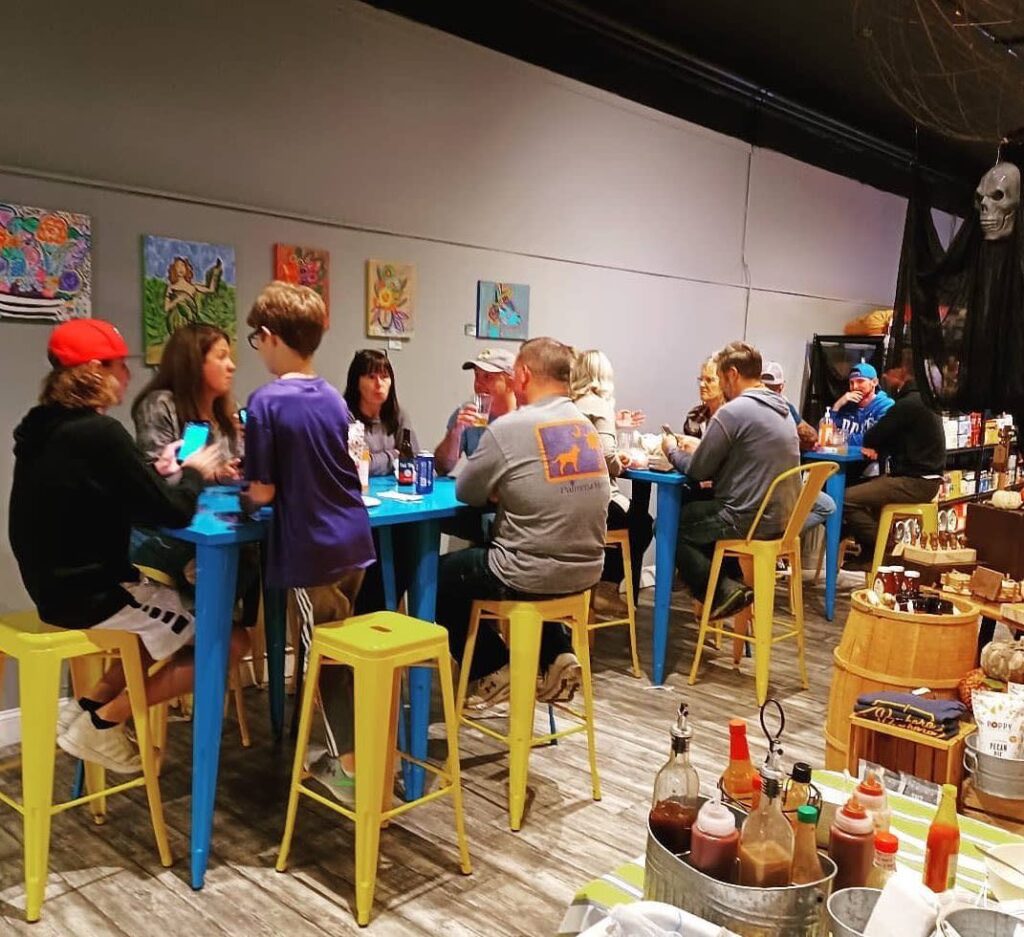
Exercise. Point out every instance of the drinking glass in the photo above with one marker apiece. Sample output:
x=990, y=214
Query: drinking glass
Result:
x=482, y=402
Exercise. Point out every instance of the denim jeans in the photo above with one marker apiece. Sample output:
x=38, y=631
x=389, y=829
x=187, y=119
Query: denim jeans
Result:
x=822, y=509
x=464, y=576
x=701, y=525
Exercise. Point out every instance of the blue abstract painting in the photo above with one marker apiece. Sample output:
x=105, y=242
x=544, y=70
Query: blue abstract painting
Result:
x=502, y=310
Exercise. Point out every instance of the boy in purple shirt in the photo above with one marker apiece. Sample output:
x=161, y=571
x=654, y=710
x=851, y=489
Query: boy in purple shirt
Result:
x=296, y=456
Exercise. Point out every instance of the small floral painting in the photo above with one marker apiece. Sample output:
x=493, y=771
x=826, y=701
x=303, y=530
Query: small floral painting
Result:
x=502, y=310
x=390, y=299
x=304, y=266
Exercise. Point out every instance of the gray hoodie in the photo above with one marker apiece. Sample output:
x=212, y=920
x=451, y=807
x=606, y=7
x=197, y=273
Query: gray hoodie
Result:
x=747, y=443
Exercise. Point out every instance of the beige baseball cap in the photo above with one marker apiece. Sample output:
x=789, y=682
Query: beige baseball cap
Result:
x=495, y=360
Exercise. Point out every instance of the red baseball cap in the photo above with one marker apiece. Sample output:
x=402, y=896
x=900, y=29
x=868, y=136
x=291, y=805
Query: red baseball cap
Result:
x=80, y=340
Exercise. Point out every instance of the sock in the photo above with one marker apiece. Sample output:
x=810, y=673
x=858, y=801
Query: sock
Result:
x=88, y=705
x=100, y=723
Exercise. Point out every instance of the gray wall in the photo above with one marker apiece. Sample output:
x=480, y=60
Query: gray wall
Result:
x=341, y=127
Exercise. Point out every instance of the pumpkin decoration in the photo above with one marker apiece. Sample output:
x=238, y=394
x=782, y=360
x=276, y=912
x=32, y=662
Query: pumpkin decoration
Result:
x=969, y=682
x=1004, y=660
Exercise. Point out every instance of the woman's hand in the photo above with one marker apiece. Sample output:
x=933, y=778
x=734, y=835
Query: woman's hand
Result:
x=205, y=461
x=229, y=472
x=167, y=462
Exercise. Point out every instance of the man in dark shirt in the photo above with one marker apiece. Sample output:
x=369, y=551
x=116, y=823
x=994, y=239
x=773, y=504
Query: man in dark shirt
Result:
x=910, y=438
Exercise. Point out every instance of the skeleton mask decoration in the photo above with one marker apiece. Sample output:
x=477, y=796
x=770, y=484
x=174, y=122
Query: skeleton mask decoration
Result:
x=996, y=199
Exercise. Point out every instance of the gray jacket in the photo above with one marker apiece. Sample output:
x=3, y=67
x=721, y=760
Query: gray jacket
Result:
x=747, y=443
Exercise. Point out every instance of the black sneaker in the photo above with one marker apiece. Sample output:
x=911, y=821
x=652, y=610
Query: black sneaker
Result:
x=737, y=600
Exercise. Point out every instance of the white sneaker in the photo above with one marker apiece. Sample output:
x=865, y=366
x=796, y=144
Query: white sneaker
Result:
x=559, y=683
x=108, y=748
x=67, y=714
x=490, y=690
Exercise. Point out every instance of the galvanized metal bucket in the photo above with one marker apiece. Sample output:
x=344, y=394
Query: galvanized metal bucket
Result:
x=999, y=777
x=793, y=911
x=982, y=922
x=849, y=910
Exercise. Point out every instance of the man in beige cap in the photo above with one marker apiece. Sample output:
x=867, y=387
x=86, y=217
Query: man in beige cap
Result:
x=492, y=378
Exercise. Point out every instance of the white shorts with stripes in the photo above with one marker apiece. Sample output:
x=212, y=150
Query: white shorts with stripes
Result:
x=156, y=614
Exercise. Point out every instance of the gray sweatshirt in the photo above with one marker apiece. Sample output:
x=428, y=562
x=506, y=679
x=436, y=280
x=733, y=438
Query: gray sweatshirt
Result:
x=747, y=443
x=545, y=465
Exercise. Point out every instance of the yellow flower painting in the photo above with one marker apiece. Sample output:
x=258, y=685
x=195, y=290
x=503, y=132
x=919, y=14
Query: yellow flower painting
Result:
x=390, y=299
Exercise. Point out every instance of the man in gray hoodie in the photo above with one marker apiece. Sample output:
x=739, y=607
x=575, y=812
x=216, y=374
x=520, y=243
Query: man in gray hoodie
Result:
x=748, y=442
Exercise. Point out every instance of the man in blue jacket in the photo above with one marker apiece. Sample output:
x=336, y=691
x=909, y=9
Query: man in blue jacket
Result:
x=863, y=405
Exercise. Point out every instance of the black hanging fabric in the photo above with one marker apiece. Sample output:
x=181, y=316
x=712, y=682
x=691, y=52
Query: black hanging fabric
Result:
x=961, y=311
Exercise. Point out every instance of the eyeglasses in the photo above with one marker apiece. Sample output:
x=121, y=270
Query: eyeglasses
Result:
x=255, y=337
x=707, y=380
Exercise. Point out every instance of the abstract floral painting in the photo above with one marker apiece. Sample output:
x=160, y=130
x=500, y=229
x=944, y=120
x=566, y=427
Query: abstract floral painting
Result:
x=45, y=264
x=390, y=299
x=182, y=282
x=502, y=310
x=304, y=266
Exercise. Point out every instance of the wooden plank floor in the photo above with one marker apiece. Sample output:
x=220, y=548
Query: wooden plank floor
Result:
x=105, y=881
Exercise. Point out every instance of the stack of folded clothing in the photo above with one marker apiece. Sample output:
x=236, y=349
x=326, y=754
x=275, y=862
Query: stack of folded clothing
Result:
x=936, y=718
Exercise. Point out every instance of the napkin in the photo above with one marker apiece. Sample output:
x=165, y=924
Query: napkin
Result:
x=399, y=496
x=906, y=908
x=654, y=919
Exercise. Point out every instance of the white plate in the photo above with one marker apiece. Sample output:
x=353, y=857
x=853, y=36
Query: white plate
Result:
x=370, y=501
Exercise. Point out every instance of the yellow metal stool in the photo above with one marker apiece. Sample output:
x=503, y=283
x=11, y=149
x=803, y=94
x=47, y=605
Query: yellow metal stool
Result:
x=620, y=539
x=377, y=647
x=523, y=622
x=764, y=554
x=928, y=513
x=40, y=651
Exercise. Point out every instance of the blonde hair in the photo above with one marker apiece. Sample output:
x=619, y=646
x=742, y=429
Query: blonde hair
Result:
x=88, y=386
x=592, y=374
x=295, y=314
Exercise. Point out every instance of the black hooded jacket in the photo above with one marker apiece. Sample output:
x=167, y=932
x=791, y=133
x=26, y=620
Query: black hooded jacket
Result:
x=80, y=485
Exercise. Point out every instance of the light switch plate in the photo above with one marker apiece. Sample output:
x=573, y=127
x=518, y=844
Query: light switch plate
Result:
x=394, y=344
x=470, y=329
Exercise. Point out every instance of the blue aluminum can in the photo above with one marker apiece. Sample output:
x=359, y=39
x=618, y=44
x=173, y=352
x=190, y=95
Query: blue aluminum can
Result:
x=424, y=473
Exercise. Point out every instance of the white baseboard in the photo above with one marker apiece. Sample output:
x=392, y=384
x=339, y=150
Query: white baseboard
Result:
x=10, y=725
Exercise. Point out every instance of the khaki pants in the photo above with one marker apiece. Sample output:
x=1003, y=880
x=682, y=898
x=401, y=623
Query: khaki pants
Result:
x=318, y=605
x=864, y=502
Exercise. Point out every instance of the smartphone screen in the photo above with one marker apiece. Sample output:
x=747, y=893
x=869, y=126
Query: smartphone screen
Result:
x=196, y=436
x=242, y=415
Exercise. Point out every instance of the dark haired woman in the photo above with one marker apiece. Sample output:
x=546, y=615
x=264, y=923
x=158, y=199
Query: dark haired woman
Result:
x=372, y=399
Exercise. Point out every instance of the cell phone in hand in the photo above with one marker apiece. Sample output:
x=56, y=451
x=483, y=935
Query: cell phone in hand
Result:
x=243, y=415
x=196, y=436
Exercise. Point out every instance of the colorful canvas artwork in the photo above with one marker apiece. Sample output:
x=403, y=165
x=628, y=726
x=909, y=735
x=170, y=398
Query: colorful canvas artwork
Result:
x=182, y=282
x=305, y=266
x=45, y=264
x=390, y=299
x=502, y=310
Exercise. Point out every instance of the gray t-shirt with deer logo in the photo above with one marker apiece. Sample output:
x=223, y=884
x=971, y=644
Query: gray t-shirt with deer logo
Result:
x=544, y=465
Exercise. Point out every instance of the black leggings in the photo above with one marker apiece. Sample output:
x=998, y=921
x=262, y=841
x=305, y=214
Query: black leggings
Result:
x=640, y=525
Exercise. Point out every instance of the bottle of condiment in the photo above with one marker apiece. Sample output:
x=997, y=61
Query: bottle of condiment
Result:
x=766, y=841
x=737, y=781
x=884, y=583
x=797, y=791
x=871, y=793
x=943, y=845
x=406, y=459
x=806, y=864
x=898, y=572
x=884, y=863
x=715, y=840
x=676, y=791
x=851, y=845
x=755, y=794
x=826, y=428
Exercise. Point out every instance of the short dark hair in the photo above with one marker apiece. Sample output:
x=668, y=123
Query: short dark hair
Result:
x=295, y=314
x=746, y=359
x=548, y=357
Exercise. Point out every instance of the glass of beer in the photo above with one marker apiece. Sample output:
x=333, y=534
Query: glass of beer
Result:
x=482, y=402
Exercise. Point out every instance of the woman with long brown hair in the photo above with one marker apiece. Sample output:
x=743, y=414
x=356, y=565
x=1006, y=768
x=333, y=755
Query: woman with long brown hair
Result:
x=192, y=384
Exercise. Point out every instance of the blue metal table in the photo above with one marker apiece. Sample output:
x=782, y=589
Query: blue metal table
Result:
x=835, y=487
x=218, y=530
x=671, y=486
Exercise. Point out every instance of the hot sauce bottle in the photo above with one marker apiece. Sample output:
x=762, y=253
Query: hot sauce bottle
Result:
x=767, y=841
x=943, y=845
x=738, y=779
x=676, y=791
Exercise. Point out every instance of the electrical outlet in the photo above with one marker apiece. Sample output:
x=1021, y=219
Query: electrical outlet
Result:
x=470, y=329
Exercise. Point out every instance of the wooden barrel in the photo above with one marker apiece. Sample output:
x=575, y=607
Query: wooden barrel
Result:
x=886, y=650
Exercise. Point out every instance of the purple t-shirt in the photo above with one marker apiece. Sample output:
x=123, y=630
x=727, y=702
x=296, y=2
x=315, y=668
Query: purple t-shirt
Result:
x=296, y=438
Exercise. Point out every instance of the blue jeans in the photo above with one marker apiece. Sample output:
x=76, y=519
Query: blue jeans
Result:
x=464, y=576
x=701, y=525
x=822, y=509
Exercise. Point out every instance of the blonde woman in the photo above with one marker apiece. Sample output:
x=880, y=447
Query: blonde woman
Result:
x=593, y=391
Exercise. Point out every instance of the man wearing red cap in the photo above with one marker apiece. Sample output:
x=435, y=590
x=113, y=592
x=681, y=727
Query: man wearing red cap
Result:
x=80, y=484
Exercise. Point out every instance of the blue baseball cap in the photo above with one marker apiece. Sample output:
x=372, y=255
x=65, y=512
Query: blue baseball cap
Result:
x=864, y=370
